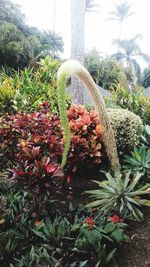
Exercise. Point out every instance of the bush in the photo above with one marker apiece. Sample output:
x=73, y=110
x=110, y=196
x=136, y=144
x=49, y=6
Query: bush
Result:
x=105, y=72
x=25, y=90
x=23, y=134
x=134, y=99
x=127, y=128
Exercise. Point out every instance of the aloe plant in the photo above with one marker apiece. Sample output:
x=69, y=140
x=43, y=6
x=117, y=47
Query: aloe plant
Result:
x=120, y=194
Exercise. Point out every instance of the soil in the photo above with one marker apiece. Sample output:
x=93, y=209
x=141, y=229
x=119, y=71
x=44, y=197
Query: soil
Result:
x=136, y=252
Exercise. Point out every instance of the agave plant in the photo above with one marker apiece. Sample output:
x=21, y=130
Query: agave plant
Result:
x=120, y=194
x=146, y=136
x=139, y=160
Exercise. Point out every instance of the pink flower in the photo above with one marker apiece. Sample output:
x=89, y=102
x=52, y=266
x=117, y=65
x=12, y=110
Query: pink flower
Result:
x=90, y=222
x=115, y=219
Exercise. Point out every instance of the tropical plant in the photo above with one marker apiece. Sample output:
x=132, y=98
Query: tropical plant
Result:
x=119, y=194
x=8, y=96
x=21, y=45
x=74, y=68
x=121, y=13
x=145, y=137
x=107, y=72
x=26, y=89
x=41, y=134
x=73, y=236
x=138, y=161
x=129, y=51
x=133, y=99
x=38, y=176
x=146, y=77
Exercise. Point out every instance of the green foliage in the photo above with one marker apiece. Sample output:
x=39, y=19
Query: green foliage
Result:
x=120, y=194
x=21, y=45
x=7, y=96
x=138, y=161
x=127, y=128
x=145, y=138
x=106, y=72
x=64, y=238
x=134, y=99
x=146, y=77
x=26, y=89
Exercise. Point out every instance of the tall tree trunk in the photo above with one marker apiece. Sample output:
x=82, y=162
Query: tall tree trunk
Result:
x=78, y=9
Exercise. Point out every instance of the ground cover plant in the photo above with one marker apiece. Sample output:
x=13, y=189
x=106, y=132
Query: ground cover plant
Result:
x=57, y=237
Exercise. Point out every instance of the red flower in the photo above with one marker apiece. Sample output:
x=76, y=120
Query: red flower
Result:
x=115, y=219
x=37, y=223
x=90, y=222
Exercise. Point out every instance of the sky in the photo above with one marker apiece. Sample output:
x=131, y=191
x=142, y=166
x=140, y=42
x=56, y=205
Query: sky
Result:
x=100, y=31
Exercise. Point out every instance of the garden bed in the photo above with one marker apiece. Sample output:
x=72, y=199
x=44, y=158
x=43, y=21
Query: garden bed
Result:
x=136, y=253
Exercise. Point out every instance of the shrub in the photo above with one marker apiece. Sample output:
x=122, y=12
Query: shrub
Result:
x=127, y=128
x=134, y=99
x=105, y=72
x=39, y=176
x=22, y=135
x=24, y=90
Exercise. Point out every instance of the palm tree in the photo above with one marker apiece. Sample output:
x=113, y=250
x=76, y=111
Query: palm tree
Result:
x=78, y=11
x=121, y=13
x=129, y=52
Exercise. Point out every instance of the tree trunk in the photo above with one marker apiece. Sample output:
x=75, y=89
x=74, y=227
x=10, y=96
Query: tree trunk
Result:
x=78, y=9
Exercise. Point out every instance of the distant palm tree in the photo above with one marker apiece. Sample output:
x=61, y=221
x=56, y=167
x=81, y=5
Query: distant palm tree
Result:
x=128, y=54
x=121, y=13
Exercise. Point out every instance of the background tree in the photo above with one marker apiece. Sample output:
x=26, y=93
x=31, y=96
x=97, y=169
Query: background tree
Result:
x=106, y=72
x=21, y=45
x=121, y=13
x=146, y=77
x=78, y=11
x=129, y=52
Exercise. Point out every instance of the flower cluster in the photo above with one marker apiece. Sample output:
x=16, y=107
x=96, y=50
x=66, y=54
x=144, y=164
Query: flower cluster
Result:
x=89, y=222
x=115, y=219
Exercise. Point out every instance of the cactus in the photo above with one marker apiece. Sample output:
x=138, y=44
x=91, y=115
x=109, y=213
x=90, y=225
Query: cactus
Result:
x=67, y=69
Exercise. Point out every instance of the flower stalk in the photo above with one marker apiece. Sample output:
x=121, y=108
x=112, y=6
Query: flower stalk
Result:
x=74, y=68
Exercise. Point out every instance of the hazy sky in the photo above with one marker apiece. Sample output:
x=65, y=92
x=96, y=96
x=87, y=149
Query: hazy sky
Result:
x=99, y=30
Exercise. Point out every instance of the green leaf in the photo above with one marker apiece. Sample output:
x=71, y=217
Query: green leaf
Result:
x=109, y=227
x=110, y=256
x=96, y=203
x=117, y=235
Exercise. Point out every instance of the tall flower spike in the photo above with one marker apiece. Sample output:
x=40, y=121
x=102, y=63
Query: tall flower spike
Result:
x=73, y=67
